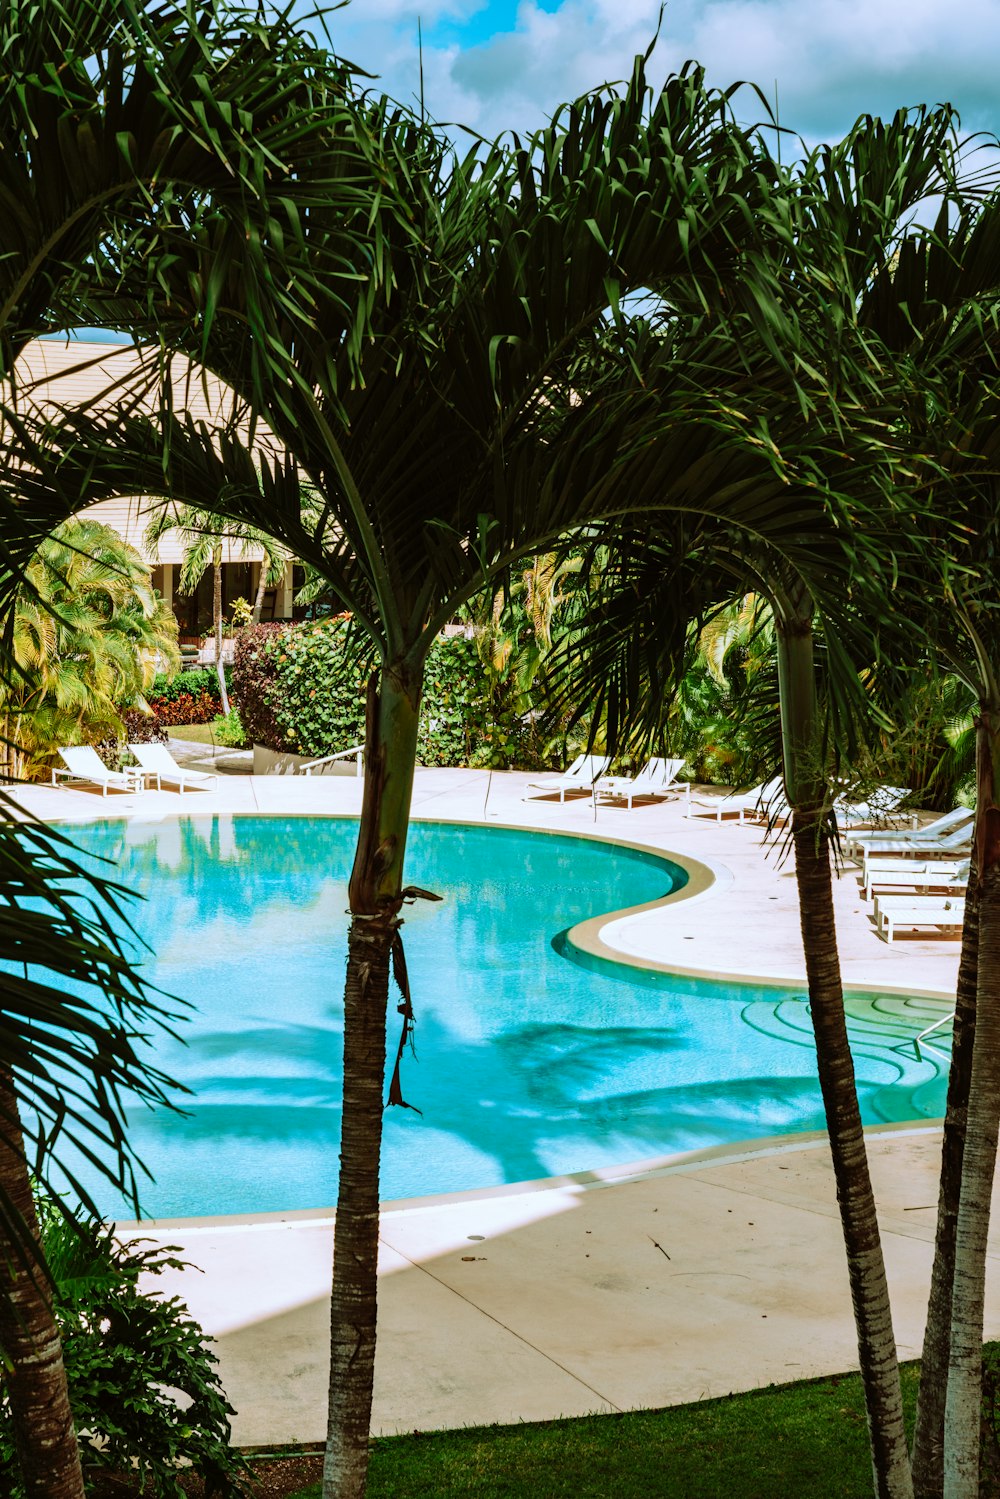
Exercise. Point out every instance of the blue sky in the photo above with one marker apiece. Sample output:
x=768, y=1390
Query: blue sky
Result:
x=500, y=64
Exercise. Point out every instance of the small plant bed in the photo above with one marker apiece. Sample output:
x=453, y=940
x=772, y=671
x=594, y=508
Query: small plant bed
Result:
x=272, y=1476
x=226, y=733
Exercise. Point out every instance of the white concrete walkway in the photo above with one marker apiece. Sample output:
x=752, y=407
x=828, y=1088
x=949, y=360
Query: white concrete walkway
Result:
x=683, y=1279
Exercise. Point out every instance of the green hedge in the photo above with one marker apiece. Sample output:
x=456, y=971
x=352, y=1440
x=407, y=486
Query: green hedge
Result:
x=299, y=692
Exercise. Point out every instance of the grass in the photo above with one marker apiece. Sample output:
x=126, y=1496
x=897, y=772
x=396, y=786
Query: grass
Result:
x=226, y=733
x=198, y=733
x=795, y=1440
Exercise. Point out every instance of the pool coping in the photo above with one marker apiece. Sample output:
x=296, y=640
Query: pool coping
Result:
x=648, y=1168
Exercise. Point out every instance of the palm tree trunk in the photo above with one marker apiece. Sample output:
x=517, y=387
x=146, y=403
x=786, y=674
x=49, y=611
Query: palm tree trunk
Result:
x=856, y=1199
x=375, y=901
x=928, y=1436
x=44, y=1437
x=220, y=670
x=8, y=772
x=258, y=603
x=962, y=1405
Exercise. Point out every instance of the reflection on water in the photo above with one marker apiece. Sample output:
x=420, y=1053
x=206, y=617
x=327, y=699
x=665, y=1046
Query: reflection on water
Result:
x=528, y=1064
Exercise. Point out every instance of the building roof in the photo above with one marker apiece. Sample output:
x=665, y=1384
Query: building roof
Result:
x=69, y=372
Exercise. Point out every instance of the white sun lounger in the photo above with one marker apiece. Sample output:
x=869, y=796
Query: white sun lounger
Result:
x=958, y=817
x=581, y=775
x=766, y=800
x=881, y=808
x=83, y=763
x=906, y=911
x=888, y=874
x=955, y=843
x=656, y=778
x=156, y=760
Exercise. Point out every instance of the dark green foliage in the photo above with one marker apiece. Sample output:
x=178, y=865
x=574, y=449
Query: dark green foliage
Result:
x=127, y=1353
x=189, y=697
x=254, y=669
x=300, y=690
x=460, y=723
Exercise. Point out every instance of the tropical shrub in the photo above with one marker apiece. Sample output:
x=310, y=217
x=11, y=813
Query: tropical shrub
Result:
x=228, y=730
x=301, y=690
x=88, y=632
x=189, y=697
x=144, y=1391
x=254, y=674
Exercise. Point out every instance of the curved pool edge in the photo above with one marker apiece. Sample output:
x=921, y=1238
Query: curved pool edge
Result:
x=595, y=935
x=594, y=938
x=648, y=1168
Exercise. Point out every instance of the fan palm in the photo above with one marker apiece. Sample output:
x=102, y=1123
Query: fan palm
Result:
x=89, y=636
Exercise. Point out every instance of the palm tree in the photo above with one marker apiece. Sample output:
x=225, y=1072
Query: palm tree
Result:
x=848, y=205
x=935, y=307
x=617, y=659
x=460, y=445
x=204, y=541
x=956, y=338
x=113, y=116
x=89, y=635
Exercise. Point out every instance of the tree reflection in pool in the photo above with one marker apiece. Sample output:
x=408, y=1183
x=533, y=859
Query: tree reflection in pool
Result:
x=529, y=1064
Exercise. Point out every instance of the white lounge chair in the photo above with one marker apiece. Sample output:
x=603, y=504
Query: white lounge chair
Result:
x=156, y=760
x=881, y=808
x=955, y=843
x=958, y=817
x=766, y=800
x=915, y=874
x=83, y=763
x=894, y=911
x=656, y=778
x=581, y=775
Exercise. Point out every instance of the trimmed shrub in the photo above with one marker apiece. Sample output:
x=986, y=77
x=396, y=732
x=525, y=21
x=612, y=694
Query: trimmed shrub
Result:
x=300, y=692
x=143, y=728
x=254, y=674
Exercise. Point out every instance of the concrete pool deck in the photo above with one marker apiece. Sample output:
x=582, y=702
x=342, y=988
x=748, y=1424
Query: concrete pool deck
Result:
x=656, y=1284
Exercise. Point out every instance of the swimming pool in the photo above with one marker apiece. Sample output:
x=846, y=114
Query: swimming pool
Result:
x=533, y=1060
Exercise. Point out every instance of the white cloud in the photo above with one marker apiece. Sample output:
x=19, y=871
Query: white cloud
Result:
x=835, y=62
x=830, y=62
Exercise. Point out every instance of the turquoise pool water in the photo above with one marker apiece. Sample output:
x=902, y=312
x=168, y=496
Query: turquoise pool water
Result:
x=532, y=1061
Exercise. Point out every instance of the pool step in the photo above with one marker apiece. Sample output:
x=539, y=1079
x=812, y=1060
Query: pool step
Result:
x=881, y=1029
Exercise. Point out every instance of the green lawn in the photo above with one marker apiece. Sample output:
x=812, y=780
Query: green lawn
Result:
x=804, y=1441
x=198, y=733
